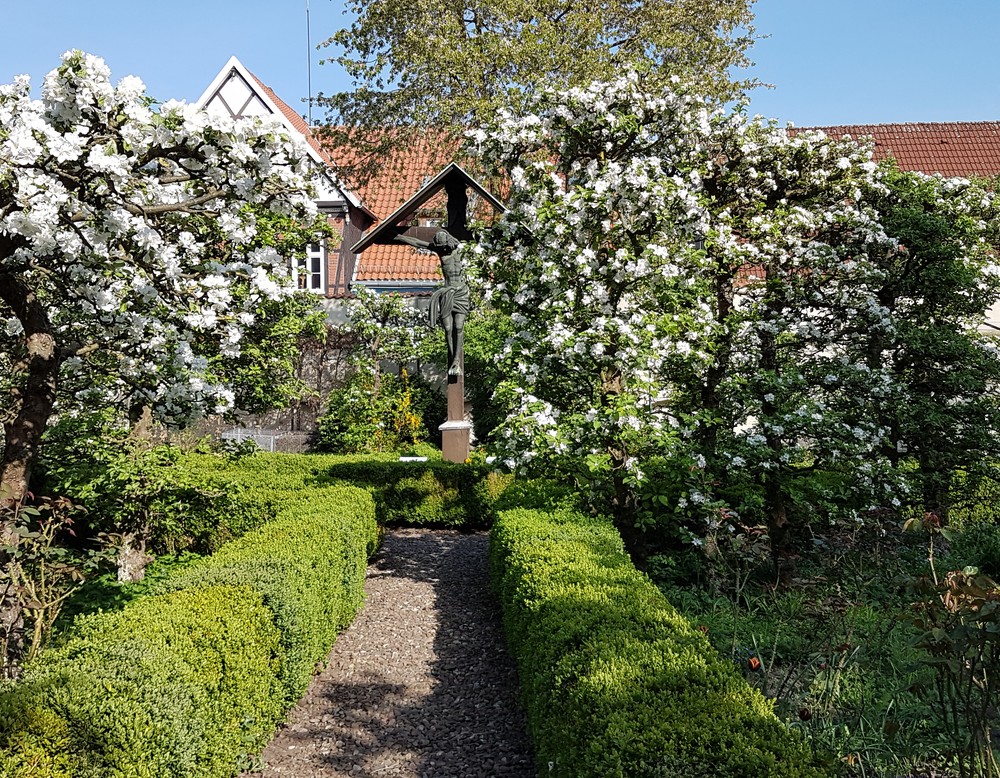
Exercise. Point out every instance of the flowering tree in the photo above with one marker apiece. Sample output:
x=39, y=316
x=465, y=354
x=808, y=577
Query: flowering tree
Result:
x=386, y=328
x=797, y=377
x=937, y=285
x=689, y=285
x=126, y=246
x=126, y=249
x=265, y=372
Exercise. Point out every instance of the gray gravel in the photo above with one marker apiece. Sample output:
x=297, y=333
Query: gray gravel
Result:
x=421, y=683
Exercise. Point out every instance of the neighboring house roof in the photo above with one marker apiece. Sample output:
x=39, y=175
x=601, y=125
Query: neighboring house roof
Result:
x=386, y=261
x=402, y=176
x=962, y=149
x=237, y=91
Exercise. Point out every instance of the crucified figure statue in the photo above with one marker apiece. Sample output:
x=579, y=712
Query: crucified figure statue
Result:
x=450, y=305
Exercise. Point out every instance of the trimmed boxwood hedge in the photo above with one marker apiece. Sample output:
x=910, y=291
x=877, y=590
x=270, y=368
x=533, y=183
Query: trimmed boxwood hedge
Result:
x=615, y=682
x=185, y=684
x=309, y=565
x=192, y=680
x=425, y=494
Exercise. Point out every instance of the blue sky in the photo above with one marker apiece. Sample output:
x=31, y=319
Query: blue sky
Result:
x=844, y=62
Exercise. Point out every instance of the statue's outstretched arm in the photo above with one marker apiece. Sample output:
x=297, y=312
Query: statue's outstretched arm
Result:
x=415, y=242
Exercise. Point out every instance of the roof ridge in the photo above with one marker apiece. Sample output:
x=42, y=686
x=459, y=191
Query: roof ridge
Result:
x=904, y=124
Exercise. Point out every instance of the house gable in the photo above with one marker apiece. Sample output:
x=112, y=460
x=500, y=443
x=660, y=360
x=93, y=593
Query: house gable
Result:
x=237, y=93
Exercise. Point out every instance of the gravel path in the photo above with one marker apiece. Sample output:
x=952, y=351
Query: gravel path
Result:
x=420, y=684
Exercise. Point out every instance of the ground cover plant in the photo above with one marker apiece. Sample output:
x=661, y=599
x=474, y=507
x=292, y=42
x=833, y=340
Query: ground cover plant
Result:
x=863, y=647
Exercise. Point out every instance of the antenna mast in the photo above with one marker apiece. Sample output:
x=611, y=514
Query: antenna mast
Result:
x=309, y=80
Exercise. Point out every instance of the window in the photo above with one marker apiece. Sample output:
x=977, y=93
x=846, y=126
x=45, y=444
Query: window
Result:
x=310, y=273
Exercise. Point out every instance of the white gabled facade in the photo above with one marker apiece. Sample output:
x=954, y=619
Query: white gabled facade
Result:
x=327, y=270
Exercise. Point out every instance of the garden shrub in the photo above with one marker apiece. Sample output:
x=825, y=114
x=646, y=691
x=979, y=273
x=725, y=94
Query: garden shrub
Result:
x=539, y=494
x=975, y=521
x=191, y=679
x=977, y=544
x=432, y=493
x=181, y=685
x=361, y=418
x=131, y=485
x=615, y=681
x=309, y=566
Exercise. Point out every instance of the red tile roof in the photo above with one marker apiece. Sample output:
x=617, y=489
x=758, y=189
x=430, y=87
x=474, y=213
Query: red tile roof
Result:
x=401, y=179
x=397, y=263
x=403, y=175
x=963, y=149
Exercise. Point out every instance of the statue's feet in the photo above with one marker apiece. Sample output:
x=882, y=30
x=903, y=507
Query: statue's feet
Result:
x=455, y=370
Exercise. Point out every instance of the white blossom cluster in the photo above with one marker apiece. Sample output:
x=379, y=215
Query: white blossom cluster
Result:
x=592, y=261
x=669, y=269
x=132, y=224
x=387, y=328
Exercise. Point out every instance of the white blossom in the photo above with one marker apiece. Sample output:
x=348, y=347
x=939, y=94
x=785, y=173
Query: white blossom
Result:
x=97, y=195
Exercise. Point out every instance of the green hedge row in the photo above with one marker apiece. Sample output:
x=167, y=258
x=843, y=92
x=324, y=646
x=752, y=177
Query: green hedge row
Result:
x=615, y=681
x=431, y=494
x=271, y=478
x=191, y=681
x=426, y=494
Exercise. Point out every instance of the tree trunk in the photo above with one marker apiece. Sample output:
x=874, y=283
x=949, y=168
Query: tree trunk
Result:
x=718, y=371
x=132, y=558
x=775, y=496
x=31, y=403
x=12, y=639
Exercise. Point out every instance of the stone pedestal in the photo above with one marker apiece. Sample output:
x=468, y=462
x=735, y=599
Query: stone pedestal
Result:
x=456, y=432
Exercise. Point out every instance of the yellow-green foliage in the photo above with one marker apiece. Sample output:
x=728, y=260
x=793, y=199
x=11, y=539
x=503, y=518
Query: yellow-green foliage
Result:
x=192, y=680
x=309, y=566
x=615, y=681
x=38, y=742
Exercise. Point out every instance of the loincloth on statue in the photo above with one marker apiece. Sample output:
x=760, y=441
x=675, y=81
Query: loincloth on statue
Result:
x=447, y=301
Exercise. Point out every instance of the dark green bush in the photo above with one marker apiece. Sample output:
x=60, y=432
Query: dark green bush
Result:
x=432, y=493
x=977, y=544
x=615, y=681
x=975, y=523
